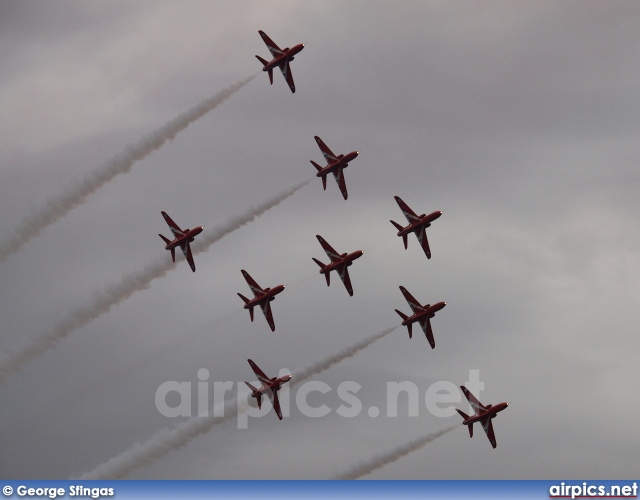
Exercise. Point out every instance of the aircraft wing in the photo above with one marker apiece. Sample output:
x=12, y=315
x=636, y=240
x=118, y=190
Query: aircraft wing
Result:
x=327, y=153
x=339, y=176
x=266, y=310
x=271, y=45
x=329, y=250
x=408, y=213
x=477, y=406
x=259, y=373
x=424, y=242
x=175, y=229
x=286, y=72
x=186, y=250
x=488, y=429
x=413, y=303
x=426, y=328
x=276, y=404
x=255, y=288
x=343, y=272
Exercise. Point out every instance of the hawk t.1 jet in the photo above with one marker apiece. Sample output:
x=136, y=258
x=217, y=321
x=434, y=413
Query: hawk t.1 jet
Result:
x=270, y=387
x=335, y=165
x=482, y=414
x=339, y=263
x=417, y=224
x=422, y=314
x=181, y=238
x=281, y=59
x=262, y=297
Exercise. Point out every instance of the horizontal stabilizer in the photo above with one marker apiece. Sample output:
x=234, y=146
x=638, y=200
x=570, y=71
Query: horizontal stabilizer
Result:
x=318, y=167
x=246, y=300
x=462, y=414
x=397, y=226
x=402, y=315
x=165, y=239
x=322, y=266
x=263, y=61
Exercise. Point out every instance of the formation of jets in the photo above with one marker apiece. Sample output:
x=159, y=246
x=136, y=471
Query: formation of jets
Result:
x=339, y=262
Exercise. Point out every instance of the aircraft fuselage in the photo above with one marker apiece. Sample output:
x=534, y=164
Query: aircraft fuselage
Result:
x=189, y=235
x=341, y=162
x=269, y=295
x=287, y=54
x=424, y=222
x=347, y=259
x=491, y=412
x=429, y=312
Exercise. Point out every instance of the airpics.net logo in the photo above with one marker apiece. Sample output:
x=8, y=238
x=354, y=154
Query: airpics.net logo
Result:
x=206, y=398
x=589, y=490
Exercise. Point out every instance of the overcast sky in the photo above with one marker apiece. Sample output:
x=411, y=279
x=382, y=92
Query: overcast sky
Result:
x=518, y=119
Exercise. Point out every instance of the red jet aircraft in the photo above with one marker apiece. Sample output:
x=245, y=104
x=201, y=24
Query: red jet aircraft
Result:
x=339, y=263
x=281, y=59
x=262, y=297
x=417, y=224
x=335, y=165
x=181, y=238
x=421, y=314
x=483, y=414
x=270, y=387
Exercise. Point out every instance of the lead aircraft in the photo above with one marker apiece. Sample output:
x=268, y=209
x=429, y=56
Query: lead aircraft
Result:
x=181, y=238
x=482, y=414
x=421, y=314
x=418, y=224
x=335, y=165
x=281, y=59
x=262, y=297
x=270, y=387
x=339, y=263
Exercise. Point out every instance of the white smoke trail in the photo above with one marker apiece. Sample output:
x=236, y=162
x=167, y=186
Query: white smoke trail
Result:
x=393, y=455
x=167, y=440
x=57, y=208
x=130, y=284
x=306, y=373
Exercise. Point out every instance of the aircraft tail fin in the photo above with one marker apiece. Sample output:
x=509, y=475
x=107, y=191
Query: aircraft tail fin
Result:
x=462, y=414
x=404, y=318
x=400, y=228
x=270, y=71
x=322, y=266
x=402, y=315
x=246, y=301
x=465, y=417
x=173, y=250
x=255, y=394
x=318, y=167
